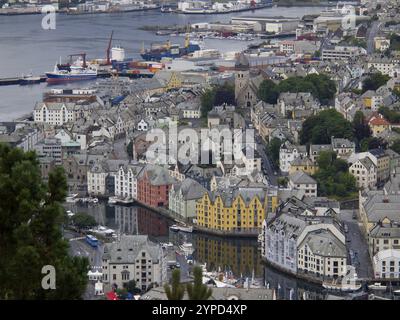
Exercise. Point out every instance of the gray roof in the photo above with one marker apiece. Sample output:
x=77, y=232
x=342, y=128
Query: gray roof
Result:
x=127, y=250
x=301, y=177
x=379, y=206
x=323, y=243
x=190, y=189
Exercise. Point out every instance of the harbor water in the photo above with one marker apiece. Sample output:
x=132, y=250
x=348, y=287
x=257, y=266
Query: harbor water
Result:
x=26, y=47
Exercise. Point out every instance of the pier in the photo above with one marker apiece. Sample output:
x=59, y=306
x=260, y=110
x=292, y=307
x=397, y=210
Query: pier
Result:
x=15, y=81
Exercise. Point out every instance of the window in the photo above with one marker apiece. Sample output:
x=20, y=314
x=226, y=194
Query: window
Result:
x=114, y=276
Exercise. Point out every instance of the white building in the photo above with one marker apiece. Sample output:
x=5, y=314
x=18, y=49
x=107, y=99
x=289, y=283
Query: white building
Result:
x=126, y=181
x=302, y=181
x=386, y=264
x=365, y=172
x=342, y=53
x=289, y=152
x=133, y=257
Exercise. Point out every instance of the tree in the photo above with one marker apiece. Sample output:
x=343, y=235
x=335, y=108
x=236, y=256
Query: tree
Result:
x=361, y=127
x=390, y=115
x=268, y=91
x=374, y=81
x=320, y=128
x=198, y=290
x=129, y=149
x=30, y=236
x=207, y=102
x=176, y=290
x=396, y=146
x=217, y=96
x=83, y=220
x=273, y=150
x=131, y=287
x=372, y=143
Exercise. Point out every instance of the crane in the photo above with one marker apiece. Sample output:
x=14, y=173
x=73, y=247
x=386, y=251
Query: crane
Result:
x=109, y=49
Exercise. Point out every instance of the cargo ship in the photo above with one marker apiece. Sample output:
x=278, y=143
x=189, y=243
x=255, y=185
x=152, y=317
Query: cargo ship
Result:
x=169, y=50
x=77, y=71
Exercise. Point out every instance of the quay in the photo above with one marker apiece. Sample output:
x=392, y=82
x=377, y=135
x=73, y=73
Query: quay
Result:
x=17, y=81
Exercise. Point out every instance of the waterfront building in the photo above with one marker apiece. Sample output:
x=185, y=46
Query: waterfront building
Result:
x=132, y=257
x=239, y=210
x=183, y=197
x=268, y=24
x=298, y=239
x=126, y=185
x=386, y=264
x=154, y=183
x=101, y=177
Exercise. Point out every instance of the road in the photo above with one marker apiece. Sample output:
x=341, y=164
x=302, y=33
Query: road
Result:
x=78, y=247
x=371, y=35
x=357, y=246
x=266, y=162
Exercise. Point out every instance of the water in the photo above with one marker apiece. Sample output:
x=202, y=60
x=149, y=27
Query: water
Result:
x=25, y=46
x=241, y=256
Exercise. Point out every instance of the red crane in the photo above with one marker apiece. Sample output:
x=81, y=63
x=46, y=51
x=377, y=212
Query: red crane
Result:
x=109, y=49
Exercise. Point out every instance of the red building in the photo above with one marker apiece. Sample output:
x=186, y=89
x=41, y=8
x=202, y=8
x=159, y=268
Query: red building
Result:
x=153, y=186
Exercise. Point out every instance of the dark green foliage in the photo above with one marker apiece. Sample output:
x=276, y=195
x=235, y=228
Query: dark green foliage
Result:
x=129, y=149
x=394, y=42
x=361, y=127
x=390, y=115
x=372, y=143
x=30, y=231
x=374, y=81
x=176, y=290
x=83, y=220
x=333, y=177
x=216, y=96
x=320, y=128
x=198, y=290
x=320, y=86
x=268, y=91
x=131, y=287
x=273, y=150
x=396, y=146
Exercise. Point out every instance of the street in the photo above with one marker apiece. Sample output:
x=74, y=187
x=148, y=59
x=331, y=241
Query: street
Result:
x=356, y=245
x=266, y=163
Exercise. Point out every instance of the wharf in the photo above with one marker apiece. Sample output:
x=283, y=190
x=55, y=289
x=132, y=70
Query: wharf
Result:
x=14, y=81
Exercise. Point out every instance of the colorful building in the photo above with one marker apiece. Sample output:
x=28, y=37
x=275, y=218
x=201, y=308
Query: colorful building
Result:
x=154, y=184
x=241, y=209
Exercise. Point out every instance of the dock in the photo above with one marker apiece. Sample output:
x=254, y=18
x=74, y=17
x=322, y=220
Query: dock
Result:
x=16, y=81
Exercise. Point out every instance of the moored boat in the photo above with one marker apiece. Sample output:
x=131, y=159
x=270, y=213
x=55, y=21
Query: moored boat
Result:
x=182, y=228
x=29, y=79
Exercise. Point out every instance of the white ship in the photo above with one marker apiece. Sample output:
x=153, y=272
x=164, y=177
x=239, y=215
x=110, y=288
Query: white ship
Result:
x=182, y=228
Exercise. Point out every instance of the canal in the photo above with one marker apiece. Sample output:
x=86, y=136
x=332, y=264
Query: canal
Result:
x=240, y=256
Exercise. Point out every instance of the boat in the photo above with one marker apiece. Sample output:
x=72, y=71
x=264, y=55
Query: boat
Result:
x=168, y=50
x=112, y=200
x=377, y=286
x=346, y=286
x=182, y=228
x=206, y=54
x=77, y=71
x=29, y=79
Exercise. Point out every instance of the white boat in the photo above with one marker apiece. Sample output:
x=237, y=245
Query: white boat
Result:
x=182, y=228
x=112, y=200
x=377, y=286
x=346, y=287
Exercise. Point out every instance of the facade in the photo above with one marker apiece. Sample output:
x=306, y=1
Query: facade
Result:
x=50, y=147
x=298, y=239
x=241, y=209
x=183, y=197
x=303, y=164
x=288, y=153
x=133, y=257
x=342, y=53
x=384, y=235
x=343, y=147
x=302, y=181
x=126, y=185
x=386, y=264
x=365, y=172
x=382, y=161
x=154, y=183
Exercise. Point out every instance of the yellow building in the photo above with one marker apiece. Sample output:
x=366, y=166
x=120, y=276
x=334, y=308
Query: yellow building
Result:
x=378, y=124
x=237, y=210
x=303, y=164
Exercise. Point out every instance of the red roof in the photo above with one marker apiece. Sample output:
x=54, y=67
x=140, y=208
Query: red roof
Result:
x=379, y=122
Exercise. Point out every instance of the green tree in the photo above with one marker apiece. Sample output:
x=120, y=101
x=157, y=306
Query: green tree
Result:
x=372, y=143
x=130, y=286
x=390, y=115
x=176, y=290
x=361, y=127
x=320, y=128
x=273, y=150
x=216, y=96
x=198, y=290
x=207, y=102
x=31, y=215
x=83, y=220
x=268, y=91
x=396, y=146
x=374, y=81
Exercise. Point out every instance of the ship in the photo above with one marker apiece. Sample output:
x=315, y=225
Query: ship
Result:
x=29, y=79
x=76, y=71
x=201, y=55
x=168, y=50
